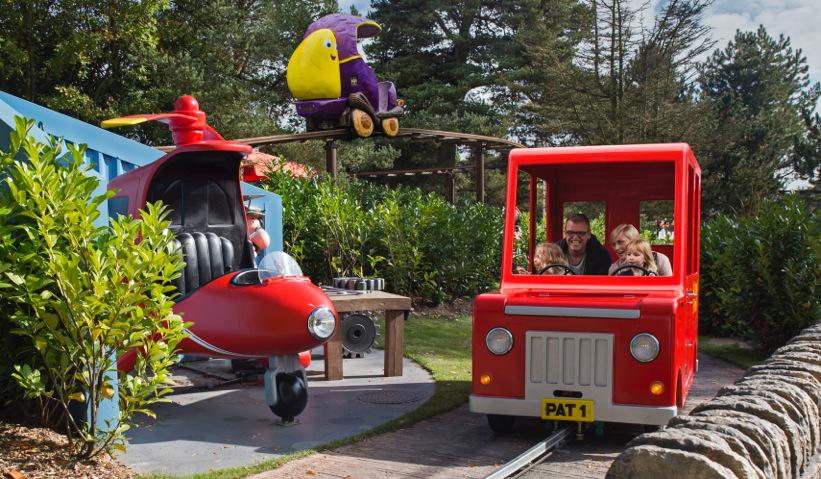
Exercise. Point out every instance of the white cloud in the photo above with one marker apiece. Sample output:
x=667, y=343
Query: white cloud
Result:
x=362, y=5
x=797, y=19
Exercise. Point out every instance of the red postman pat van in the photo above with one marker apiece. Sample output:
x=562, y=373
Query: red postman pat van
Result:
x=591, y=346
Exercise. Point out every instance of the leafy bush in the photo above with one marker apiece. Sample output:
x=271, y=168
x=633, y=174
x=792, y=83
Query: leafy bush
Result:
x=759, y=275
x=79, y=295
x=423, y=246
x=521, y=242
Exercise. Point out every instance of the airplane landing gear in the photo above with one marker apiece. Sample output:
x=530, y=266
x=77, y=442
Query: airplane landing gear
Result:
x=286, y=387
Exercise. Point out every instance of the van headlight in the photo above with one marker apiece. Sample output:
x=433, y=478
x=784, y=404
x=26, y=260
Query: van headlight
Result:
x=499, y=341
x=644, y=347
x=321, y=323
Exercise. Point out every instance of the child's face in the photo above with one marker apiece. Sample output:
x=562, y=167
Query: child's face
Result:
x=634, y=258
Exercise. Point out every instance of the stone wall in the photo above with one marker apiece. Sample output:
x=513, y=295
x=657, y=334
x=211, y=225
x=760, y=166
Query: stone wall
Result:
x=766, y=425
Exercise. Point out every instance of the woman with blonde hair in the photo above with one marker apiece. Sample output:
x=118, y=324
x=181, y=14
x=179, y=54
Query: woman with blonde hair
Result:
x=625, y=233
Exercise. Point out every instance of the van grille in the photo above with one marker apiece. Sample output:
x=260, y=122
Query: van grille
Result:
x=577, y=361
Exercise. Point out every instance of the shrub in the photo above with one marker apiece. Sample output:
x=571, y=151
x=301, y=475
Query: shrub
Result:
x=759, y=275
x=423, y=246
x=82, y=295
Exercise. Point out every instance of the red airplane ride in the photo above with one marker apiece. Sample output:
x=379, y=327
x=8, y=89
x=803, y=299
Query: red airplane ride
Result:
x=238, y=310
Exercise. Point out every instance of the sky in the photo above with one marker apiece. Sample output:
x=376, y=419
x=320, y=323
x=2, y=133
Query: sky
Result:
x=798, y=19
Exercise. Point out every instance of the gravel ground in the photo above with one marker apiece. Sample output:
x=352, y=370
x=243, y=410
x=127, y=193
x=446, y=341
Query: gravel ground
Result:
x=33, y=453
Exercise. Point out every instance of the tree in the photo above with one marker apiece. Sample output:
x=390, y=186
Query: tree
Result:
x=447, y=60
x=232, y=56
x=537, y=86
x=611, y=79
x=437, y=52
x=89, y=60
x=761, y=99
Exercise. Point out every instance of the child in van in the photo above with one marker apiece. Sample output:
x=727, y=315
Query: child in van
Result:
x=546, y=254
x=624, y=234
x=638, y=253
x=549, y=254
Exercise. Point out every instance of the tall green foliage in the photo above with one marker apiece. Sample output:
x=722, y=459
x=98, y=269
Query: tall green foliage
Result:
x=79, y=295
x=88, y=59
x=760, y=276
x=595, y=74
x=448, y=61
x=761, y=99
x=438, y=52
x=422, y=245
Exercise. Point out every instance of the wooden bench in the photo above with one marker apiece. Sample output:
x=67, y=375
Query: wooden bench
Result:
x=394, y=306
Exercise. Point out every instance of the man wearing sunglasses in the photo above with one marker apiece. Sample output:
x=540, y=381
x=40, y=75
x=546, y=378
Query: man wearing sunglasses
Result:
x=585, y=255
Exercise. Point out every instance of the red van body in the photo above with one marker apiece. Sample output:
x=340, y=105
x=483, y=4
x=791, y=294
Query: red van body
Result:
x=571, y=356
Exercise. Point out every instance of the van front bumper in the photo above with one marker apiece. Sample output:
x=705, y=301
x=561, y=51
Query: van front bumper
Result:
x=651, y=415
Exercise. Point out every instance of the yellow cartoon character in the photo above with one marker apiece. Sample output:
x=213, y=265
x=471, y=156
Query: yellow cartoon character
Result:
x=313, y=70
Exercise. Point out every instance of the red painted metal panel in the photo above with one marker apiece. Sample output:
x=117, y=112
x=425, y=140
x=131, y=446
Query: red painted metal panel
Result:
x=622, y=177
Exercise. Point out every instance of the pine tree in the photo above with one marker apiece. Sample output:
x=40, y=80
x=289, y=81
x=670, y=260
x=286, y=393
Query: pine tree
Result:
x=761, y=98
x=448, y=61
x=613, y=80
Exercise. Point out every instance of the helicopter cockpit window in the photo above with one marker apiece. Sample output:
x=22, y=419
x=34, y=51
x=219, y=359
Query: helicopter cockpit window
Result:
x=278, y=264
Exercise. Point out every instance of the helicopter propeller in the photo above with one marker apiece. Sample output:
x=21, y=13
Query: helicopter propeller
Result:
x=187, y=122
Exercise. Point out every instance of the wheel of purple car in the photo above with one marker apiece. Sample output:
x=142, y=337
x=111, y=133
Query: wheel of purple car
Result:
x=362, y=123
x=390, y=126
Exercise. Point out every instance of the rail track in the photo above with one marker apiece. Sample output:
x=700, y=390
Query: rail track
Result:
x=534, y=456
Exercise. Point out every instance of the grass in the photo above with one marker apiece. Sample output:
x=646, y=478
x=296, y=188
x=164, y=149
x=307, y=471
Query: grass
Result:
x=441, y=345
x=733, y=353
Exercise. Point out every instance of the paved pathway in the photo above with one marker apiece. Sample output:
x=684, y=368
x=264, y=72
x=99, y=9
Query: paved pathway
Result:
x=459, y=444
x=232, y=426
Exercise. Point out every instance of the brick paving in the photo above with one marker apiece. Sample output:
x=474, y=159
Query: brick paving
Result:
x=459, y=444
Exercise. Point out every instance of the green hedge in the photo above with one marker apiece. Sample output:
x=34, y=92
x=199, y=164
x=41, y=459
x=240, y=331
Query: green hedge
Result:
x=422, y=245
x=759, y=275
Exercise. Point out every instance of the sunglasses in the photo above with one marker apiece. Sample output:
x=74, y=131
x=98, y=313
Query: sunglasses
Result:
x=577, y=234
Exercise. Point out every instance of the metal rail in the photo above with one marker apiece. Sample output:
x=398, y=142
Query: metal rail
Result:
x=488, y=142
x=533, y=455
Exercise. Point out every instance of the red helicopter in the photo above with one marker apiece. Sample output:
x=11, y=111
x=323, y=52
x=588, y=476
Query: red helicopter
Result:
x=238, y=310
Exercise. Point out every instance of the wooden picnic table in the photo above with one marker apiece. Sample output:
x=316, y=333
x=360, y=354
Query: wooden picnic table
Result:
x=395, y=308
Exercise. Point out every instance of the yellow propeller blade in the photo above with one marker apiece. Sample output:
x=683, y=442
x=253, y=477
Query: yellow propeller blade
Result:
x=123, y=121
